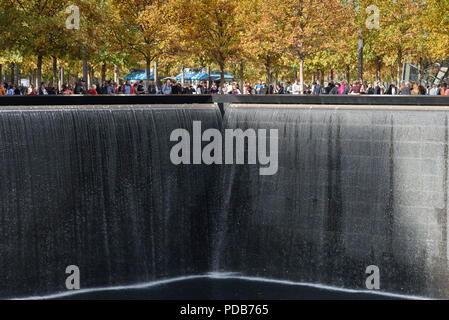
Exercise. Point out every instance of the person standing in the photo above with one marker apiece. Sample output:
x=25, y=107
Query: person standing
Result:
x=279, y=89
x=213, y=88
x=342, y=88
x=167, y=88
x=443, y=89
x=328, y=88
x=111, y=87
x=235, y=90
x=264, y=89
x=127, y=88
x=415, y=91
x=200, y=89
x=317, y=89
x=93, y=90
x=152, y=88
x=433, y=91
x=405, y=89
x=43, y=90
x=355, y=89
x=334, y=90
x=289, y=89
x=80, y=88
x=258, y=87
x=296, y=88
x=66, y=90
x=392, y=90
x=141, y=87
x=376, y=87
x=176, y=88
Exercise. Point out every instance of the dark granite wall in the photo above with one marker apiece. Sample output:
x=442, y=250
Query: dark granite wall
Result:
x=94, y=187
x=354, y=188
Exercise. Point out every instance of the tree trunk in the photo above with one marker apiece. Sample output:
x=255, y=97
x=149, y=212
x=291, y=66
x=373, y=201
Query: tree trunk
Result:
x=148, y=71
x=295, y=74
x=267, y=71
x=360, y=56
x=116, y=74
x=222, y=77
x=183, y=75
x=39, y=71
x=1, y=73
x=13, y=74
x=61, y=78
x=332, y=74
x=398, y=71
x=103, y=73
x=301, y=74
x=242, y=69
x=91, y=76
x=85, y=66
x=35, y=81
x=155, y=72
x=322, y=77
x=378, y=69
x=17, y=74
x=55, y=72
x=209, y=84
x=419, y=70
x=348, y=73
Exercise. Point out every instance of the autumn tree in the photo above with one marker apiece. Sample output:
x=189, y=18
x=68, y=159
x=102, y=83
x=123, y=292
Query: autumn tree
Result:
x=308, y=25
x=214, y=30
x=400, y=29
x=264, y=24
x=41, y=29
x=144, y=26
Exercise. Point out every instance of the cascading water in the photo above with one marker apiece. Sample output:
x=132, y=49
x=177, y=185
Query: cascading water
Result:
x=94, y=187
x=354, y=188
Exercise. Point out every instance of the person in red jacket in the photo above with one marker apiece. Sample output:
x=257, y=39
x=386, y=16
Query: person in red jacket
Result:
x=33, y=91
x=92, y=90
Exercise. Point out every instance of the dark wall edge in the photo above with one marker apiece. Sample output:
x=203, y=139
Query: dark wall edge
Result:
x=221, y=99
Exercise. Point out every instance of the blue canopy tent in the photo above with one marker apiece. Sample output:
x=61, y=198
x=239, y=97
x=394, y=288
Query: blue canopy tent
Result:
x=192, y=76
x=218, y=77
x=202, y=76
x=138, y=76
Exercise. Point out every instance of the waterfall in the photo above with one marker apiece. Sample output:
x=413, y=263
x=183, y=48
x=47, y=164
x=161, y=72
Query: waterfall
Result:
x=95, y=188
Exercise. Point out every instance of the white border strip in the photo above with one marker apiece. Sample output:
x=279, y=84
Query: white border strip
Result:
x=219, y=275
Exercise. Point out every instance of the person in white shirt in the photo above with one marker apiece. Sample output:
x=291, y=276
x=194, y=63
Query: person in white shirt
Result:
x=229, y=88
x=433, y=91
x=296, y=88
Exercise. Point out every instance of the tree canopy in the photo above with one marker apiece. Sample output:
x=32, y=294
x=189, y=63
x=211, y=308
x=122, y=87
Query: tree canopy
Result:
x=273, y=39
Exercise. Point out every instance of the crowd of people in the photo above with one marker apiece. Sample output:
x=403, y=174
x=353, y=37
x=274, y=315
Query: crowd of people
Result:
x=173, y=87
x=343, y=88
